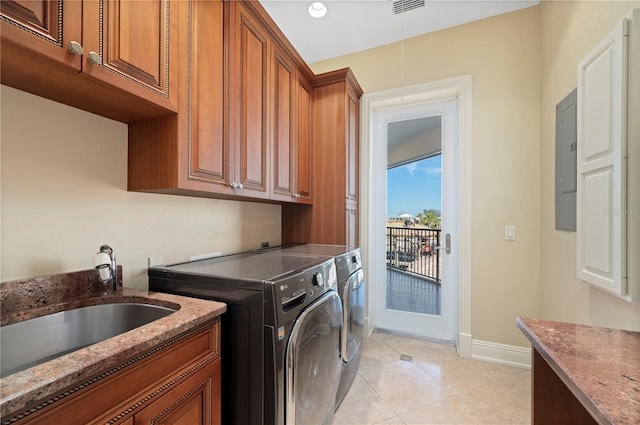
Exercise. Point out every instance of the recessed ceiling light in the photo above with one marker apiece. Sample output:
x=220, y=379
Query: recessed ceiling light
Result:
x=317, y=9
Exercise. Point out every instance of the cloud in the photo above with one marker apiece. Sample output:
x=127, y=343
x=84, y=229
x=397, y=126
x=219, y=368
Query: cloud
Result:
x=411, y=167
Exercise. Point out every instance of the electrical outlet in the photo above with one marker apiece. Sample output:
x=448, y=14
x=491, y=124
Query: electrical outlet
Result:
x=264, y=245
x=155, y=261
x=510, y=233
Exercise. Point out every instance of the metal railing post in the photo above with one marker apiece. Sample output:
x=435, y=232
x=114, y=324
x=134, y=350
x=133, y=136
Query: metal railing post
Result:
x=438, y=257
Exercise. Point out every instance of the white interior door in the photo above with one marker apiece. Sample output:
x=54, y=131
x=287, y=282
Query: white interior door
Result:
x=442, y=325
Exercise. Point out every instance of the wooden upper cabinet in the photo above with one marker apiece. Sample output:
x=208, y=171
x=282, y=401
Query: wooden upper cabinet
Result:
x=303, y=164
x=284, y=136
x=129, y=44
x=189, y=153
x=66, y=51
x=37, y=27
x=333, y=218
x=353, y=143
x=249, y=102
x=291, y=132
x=207, y=153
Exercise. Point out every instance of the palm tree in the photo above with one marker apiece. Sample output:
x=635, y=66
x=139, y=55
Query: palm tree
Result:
x=430, y=218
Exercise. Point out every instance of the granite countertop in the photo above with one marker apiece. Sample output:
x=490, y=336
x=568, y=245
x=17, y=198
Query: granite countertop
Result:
x=600, y=366
x=23, y=300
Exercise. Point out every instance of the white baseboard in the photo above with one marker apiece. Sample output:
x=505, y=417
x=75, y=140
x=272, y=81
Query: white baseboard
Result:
x=509, y=355
x=368, y=327
x=464, y=345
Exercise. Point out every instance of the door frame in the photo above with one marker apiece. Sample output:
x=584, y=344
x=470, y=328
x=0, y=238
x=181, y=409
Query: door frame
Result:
x=372, y=179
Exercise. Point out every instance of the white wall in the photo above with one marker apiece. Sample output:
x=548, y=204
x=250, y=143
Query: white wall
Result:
x=64, y=193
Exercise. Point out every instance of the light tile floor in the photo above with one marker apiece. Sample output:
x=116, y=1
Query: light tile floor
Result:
x=434, y=386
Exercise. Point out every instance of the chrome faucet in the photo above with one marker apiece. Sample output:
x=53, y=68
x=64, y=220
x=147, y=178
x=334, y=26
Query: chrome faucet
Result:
x=105, y=262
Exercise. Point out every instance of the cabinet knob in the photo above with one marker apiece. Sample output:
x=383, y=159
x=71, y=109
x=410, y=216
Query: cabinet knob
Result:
x=75, y=48
x=296, y=195
x=234, y=185
x=94, y=58
x=240, y=186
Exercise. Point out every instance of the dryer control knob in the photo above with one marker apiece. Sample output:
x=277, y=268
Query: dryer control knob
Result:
x=318, y=279
x=354, y=259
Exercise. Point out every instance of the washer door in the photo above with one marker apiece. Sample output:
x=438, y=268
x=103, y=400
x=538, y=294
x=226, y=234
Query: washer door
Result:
x=353, y=312
x=313, y=363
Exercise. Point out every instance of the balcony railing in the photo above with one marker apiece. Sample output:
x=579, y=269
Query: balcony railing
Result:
x=415, y=250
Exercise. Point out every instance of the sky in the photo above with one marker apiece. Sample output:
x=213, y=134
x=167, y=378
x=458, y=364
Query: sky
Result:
x=414, y=187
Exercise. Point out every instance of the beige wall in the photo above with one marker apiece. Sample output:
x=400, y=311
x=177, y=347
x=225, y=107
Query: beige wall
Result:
x=569, y=31
x=64, y=181
x=502, y=55
x=522, y=65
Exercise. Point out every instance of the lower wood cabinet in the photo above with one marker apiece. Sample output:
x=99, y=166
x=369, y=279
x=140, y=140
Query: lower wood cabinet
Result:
x=552, y=401
x=190, y=403
x=176, y=383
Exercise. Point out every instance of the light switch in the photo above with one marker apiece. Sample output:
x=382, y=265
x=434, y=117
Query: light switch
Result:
x=510, y=233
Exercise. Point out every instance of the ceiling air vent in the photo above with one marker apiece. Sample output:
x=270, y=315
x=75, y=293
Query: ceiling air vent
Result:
x=402, y=6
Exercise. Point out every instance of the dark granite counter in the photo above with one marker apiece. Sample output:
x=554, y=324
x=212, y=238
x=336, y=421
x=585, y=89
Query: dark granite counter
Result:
x=599, y=366
x=30, y=298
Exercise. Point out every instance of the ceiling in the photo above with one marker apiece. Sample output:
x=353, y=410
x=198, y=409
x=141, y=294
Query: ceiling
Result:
x=355, y=25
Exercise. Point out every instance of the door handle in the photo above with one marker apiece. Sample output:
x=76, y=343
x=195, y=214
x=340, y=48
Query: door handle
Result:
x=447, y=244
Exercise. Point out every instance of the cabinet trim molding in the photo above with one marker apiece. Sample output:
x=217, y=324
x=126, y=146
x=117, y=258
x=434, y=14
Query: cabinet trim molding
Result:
x=56, y=42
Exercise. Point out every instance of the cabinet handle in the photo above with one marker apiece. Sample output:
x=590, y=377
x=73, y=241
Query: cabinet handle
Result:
x=75, y=48
x=94, y=58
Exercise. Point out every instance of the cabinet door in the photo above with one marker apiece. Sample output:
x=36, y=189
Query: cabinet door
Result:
x=303, y=162
x=284, y=137
x=601, y=192
x=202, y=80
x=249, y=103
x=194, y=402
x=132, y=45
x=353, y=144
x=189, y=151
x=44, y=27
